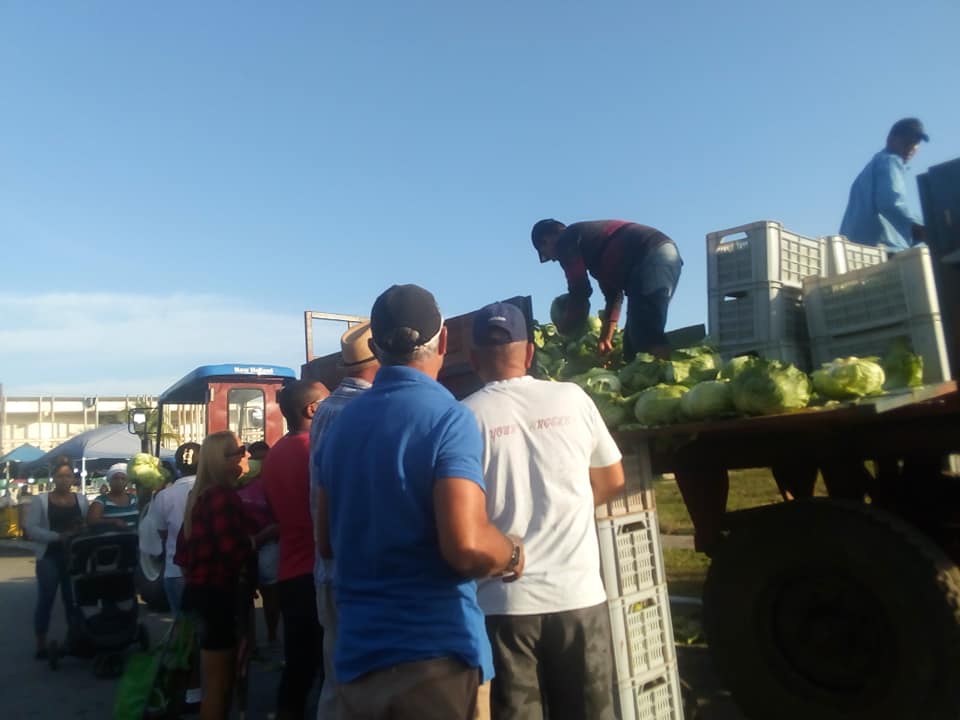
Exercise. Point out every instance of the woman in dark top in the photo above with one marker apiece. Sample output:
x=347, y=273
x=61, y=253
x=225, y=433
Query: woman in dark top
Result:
x=217, y=552
x=52, y=519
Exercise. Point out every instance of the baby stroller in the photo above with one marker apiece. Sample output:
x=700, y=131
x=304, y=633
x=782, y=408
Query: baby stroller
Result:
x=101, y=600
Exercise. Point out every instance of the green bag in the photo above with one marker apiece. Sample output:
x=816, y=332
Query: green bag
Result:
x=153, y=683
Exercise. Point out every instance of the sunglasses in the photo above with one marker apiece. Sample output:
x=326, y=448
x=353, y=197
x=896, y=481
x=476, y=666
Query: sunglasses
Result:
x=239, y=452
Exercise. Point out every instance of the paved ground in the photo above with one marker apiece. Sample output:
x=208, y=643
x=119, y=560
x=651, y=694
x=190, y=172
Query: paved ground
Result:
x=31, y=691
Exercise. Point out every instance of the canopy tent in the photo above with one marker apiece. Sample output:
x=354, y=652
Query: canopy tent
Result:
x=24, y=453
x=93, y=450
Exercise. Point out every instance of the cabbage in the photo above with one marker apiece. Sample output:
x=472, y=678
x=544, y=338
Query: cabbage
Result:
x=733, y=367
x=659, y=405
x=146, y=471
x=709, y=399
x=614, y=409
x=902, y=367
x=642, y=372
x=594, y=325
x=558, y=315
x=690, y=372
x=766, y=387
x=598, y=380
x=848, y=378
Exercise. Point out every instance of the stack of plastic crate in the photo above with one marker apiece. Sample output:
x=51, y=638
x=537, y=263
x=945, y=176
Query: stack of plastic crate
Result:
x=846, y=256
x=755, y=275
x=864, y=311
x=646, y=681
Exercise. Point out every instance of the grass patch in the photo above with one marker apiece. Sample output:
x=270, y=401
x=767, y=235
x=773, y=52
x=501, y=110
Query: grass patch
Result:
x=686, y=571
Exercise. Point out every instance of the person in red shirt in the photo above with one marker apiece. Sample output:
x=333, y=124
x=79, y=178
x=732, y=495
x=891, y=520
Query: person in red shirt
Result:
x=216, y=550
x=286, y=480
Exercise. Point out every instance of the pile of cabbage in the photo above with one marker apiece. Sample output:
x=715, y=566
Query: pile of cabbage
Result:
x=696, y=384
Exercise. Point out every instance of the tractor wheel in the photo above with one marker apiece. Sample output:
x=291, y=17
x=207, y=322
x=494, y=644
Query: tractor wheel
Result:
x=832, y=610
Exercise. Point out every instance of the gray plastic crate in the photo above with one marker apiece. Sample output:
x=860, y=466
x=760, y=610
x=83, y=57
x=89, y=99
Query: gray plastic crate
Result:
x=761, y=252
x=845, y=256
x=761, y=313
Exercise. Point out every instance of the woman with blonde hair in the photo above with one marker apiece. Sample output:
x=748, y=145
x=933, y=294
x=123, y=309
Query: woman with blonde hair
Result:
x=216, y=550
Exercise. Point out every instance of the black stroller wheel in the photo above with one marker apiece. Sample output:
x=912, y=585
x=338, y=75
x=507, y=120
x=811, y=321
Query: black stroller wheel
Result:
x=53, y=654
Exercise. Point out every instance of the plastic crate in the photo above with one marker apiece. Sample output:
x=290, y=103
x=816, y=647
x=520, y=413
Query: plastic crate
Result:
x=637, y=496
x=872, y=297
x=925, y=335
x=761, y=252
x=761, y=313
x=641, y=632
x=845, y=256
x=794, y=353
x=653, y=697
x=630, y=556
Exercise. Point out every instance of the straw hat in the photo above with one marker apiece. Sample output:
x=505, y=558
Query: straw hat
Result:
x=355, y=346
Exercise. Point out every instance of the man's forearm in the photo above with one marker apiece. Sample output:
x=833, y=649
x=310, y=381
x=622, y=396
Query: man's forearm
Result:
x=491, y=555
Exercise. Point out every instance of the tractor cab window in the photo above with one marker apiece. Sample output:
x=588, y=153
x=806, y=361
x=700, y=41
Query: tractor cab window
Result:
x=245, y=409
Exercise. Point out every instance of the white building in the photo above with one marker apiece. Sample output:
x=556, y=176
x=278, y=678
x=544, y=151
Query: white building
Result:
x=47, y=420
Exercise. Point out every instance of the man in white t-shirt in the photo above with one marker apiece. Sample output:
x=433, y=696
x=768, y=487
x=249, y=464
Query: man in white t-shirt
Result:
x=166, y=512
x=548, y=460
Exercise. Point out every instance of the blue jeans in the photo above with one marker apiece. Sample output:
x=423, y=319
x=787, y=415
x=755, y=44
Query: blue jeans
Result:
x=650, y=287
x=51, y=574
x=173, y=587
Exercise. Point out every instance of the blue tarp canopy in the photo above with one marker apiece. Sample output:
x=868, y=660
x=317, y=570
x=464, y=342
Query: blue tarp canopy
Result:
x=24, y=453
x=93, y=449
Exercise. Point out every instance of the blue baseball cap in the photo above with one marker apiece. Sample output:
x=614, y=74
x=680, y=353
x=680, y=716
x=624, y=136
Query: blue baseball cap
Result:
x=499, y=324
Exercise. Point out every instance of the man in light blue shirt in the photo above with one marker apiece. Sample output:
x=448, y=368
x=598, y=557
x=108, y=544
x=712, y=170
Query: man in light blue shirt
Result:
x=877, y=212
x=360, y=367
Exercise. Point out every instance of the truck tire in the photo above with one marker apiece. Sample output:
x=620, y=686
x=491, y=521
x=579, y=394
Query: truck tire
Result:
x=833, y=610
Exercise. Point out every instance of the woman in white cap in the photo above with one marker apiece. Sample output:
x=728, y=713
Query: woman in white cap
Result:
x=117, y=506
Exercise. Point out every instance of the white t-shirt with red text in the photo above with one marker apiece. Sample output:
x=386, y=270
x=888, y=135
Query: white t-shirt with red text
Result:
x=540, y=440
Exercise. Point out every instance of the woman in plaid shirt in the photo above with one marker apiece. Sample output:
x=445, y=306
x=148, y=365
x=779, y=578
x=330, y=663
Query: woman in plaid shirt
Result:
x=216, y=549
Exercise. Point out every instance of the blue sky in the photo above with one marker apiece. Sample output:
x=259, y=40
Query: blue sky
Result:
x=179, y=181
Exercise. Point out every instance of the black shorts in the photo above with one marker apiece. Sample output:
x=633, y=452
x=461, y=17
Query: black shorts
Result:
x=216, y=612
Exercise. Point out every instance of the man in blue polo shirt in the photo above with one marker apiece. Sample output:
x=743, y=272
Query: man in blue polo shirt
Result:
x=402, y=508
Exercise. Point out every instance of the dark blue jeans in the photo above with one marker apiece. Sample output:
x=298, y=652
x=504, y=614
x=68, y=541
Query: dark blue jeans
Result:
x=51, y=574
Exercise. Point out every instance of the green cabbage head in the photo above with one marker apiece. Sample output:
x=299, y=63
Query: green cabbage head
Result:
x=642, y=372
x=145, y=469
x=598, y=380
x=659, y=405
x=903, y=368
x=850, y=377
x=767, y=387
x=709, y=399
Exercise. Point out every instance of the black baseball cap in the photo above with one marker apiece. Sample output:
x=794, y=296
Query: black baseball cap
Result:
x=548, y=226
x=499, y=324
x=404, y=317
x=910, y=128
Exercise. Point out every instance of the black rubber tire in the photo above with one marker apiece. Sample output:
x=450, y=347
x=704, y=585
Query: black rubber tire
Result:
x=149, y=582
x=834, y=610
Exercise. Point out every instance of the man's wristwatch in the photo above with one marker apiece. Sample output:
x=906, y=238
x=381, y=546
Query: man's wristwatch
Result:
x=514, y=557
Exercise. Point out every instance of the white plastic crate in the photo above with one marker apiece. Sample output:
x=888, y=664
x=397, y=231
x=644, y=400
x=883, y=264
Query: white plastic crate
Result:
x=637, y=496
x=630, y=556
x=845, y=256
x=653, y=697
x=761, y=252
x=872, y=297
x=641, y=632
x=761, y=313
x=794, y=353
x=925, y=335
